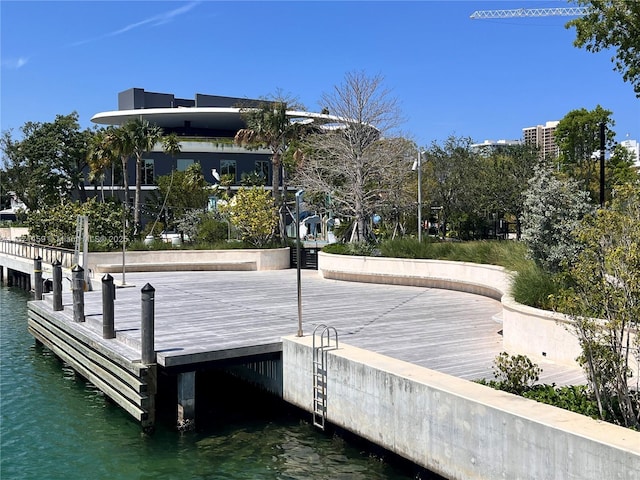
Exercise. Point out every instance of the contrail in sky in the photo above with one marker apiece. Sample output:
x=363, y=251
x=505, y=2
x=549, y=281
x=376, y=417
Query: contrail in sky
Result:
x=154, y=21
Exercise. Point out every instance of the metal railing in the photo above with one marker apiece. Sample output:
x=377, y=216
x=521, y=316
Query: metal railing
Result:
x=32, y=250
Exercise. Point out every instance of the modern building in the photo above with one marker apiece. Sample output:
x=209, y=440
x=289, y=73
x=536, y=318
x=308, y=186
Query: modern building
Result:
x=543, y=137
x=490, y=146
x=634, y=147
x=206, y=127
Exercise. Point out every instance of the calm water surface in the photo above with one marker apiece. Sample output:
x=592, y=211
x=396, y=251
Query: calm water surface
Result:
x=57, y=426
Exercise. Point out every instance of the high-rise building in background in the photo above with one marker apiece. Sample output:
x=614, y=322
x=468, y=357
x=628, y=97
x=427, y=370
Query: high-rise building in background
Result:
x=543, y=137
x=634, y=147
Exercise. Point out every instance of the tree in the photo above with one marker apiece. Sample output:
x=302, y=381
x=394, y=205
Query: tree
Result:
x=252, y=211
x=553, y=209
x=578, y=137
x=56, y=224
x=619, y=170
x=349, y=162
x=505, y=175
x=178, y=193
x=46, y=166
x=142, y=137
x=453, y=174
x=269, y=126
x=612, y=24
x=604, y=303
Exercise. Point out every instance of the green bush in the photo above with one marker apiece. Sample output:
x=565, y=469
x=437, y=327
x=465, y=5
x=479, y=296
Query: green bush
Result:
x=515, y=373
x=212, y=231
x=535, y=287
x=574, y=398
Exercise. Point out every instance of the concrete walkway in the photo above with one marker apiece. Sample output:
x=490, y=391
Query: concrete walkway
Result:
x=451, y=332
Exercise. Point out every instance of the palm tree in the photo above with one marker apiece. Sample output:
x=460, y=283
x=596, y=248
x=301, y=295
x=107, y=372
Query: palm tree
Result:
x=268, y=126
x=142, y=137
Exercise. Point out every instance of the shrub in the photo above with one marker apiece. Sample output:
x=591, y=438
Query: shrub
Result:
x=515, y=373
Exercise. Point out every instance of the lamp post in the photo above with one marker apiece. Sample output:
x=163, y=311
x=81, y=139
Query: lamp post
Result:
x=418, y=165
x=299, y=194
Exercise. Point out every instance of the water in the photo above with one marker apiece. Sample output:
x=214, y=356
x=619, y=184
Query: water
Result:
x=57, y=426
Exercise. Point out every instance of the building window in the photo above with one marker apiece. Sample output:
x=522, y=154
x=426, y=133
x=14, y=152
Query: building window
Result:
x=262, y=169
x=147, y=171
x=183, y=163
x=228, y=167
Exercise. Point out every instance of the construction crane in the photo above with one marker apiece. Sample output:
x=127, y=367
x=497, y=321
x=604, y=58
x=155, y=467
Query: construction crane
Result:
x=530, y=12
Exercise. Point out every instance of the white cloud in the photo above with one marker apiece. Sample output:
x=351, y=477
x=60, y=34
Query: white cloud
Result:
x=15, y=63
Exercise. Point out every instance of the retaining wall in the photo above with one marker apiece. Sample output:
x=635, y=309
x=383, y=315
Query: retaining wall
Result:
x=172, y=260
x=458, y=429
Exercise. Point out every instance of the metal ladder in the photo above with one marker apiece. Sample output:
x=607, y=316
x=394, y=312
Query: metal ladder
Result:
x=324, y=339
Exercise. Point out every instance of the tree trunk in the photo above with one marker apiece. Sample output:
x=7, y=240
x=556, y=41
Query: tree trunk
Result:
x=136, y=198
x=125, y=182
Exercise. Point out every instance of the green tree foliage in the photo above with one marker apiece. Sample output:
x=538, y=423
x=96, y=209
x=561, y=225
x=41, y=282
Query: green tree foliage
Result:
x=178, y=193
x=612, y=24
x=578, y=138
x=45, y=167
x=56, y=225
x=252, y=211
x=504, y=176
x=604, y=303
x=269, y=126
x=620, y=170
x=454, y=179
x=142, y=138
x=553, y=209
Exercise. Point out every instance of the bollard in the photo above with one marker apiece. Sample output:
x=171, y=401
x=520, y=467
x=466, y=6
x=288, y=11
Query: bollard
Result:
x=146, y=330
x=37, y=278
x=57, y=286
x=108, y=296
x=77, y=285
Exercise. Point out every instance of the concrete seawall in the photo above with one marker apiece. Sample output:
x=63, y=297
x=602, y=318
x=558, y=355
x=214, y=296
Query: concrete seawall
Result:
x=458, y=429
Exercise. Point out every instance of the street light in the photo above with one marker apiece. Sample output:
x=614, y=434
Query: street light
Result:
x=299, y=194
x=418, y=165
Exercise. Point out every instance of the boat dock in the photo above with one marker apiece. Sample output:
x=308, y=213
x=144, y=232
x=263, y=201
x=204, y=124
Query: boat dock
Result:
x=238, y=319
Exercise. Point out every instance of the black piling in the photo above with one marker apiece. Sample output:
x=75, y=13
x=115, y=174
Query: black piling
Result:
x=77, y=285
x=108, y=296
x=37, y=278
x=57, y=285
x=147, y=327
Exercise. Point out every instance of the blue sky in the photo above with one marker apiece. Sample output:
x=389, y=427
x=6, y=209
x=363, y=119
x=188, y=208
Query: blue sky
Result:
x=484, y=79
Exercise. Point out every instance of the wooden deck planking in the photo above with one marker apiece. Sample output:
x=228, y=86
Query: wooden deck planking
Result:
x=200, y=312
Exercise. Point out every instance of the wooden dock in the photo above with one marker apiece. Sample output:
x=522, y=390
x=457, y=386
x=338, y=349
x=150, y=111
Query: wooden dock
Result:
x=205, y=318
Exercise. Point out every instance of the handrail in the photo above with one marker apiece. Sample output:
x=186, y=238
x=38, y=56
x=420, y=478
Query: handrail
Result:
x=30, y=250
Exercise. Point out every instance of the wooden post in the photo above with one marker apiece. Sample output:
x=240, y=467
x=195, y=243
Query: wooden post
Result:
x=108, y=296
x=37, y=278
x=57, y=286
x=147, y=327
x=77, y=282
x=186, y=401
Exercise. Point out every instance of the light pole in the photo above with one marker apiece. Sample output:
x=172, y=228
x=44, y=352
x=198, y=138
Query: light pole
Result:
x=299, y=194
x=418, y=165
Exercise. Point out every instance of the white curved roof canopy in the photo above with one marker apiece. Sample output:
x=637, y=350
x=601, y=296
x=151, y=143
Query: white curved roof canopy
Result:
x=217, y=118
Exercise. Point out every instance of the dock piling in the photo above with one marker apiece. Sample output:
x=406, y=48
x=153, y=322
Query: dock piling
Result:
x=147, y=327
x=37, y=278
x=108, y=296
x=186, y=401
x=57, y=285
x=77, y=281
